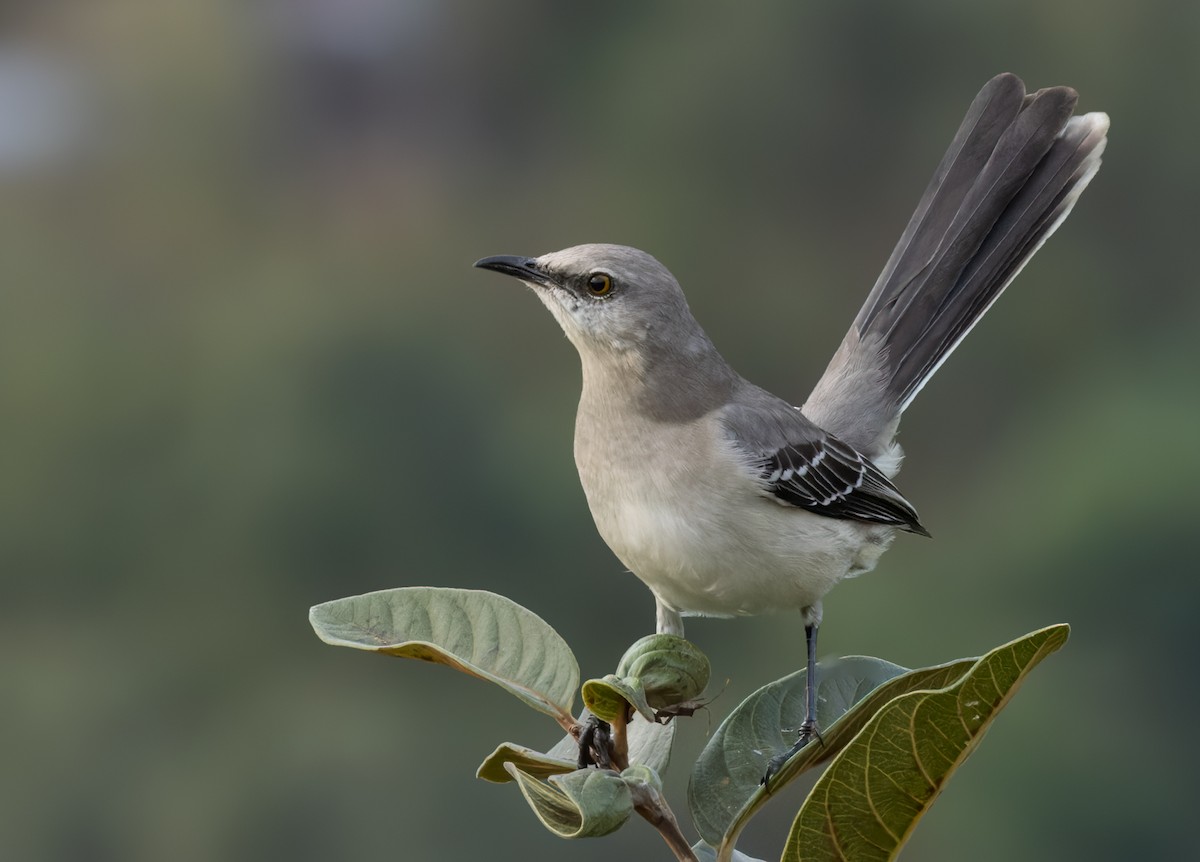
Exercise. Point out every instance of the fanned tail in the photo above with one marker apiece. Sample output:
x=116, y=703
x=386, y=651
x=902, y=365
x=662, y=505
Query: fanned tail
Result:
x=1011, y=175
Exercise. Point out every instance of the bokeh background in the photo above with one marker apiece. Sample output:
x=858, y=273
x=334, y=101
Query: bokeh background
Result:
x=245, y=367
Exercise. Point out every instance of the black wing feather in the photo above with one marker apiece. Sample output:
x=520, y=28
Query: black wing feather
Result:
x=831, y=478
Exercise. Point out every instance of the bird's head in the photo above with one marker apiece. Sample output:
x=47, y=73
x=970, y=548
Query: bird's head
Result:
x=606, y=297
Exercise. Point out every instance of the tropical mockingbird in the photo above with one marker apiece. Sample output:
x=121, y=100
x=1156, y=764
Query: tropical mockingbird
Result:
x=726, y=500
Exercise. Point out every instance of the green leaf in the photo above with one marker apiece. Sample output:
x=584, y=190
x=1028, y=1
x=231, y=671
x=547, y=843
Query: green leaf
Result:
x=477, y=632
x=530, y=762
x=640, y=773
x=581, y=804
x=668, y=668
x=609, y=697
x=650, y=743
x=868, y=801
x=705, y=852
x=657, y=672
x=725, y=788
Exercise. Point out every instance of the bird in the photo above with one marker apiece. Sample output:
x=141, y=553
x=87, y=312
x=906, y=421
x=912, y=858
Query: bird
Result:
x=728, y=501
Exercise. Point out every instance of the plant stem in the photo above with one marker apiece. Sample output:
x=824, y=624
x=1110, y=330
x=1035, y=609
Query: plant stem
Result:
x=620, y=741
x=649, y=803
x=570, y=724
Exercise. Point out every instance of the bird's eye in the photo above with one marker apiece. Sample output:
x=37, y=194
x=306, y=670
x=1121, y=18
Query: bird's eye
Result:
x=600, y=284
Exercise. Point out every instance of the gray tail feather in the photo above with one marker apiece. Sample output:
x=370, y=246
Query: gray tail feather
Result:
x=1014, y=170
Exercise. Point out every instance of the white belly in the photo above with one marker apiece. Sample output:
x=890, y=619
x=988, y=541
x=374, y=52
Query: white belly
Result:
x=708, y=542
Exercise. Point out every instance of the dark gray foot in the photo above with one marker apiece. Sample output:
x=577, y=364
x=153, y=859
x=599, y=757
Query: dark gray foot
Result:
x=808, y=732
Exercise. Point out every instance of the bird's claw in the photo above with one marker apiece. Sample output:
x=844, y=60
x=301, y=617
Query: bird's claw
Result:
x=807, y=733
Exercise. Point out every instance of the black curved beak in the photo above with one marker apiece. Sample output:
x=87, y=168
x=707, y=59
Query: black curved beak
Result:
x=524, y=268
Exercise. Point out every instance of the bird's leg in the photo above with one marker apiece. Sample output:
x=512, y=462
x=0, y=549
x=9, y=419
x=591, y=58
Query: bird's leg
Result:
x=808, y=728
x=667, y=621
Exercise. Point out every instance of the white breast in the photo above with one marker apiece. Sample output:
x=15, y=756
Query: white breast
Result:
x=696, y=528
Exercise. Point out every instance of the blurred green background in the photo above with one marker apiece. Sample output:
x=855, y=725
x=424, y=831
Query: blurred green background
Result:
x=245, y=367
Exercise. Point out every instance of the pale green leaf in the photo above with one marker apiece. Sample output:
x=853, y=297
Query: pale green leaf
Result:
x=650, y=743
x=609, y=697
x=531, y=762
x=640, y=773
x=657, y=672
x=474, y=631
x=669, y=669
x=871, y=796
x=705, y=852
x=582, y=804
